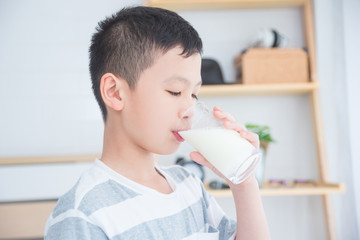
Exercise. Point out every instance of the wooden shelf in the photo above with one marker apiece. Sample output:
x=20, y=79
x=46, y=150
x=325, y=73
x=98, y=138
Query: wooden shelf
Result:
x=257, y=89
x=318, y=189
x=179, y=5
x=48, y=159
x=29, y=217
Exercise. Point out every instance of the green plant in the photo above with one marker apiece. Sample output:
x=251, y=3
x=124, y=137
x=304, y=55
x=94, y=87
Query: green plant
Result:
x=265, y=138
x=262, y=131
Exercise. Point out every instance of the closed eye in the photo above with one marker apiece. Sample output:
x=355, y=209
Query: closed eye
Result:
x=179, y=94
x=174, y=93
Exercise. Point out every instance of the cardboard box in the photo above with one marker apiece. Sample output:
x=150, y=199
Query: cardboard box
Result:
x=272, y=65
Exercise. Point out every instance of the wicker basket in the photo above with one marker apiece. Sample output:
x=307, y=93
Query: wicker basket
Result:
x=274, y=65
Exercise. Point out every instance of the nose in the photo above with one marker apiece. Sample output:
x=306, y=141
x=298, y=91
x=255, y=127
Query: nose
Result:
x=187, y=112
x=186, y=117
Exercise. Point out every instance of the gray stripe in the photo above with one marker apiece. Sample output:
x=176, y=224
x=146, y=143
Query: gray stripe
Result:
x=66, y=202
x=185, y=223
x=104, y=195
x=226, y=228
x=212, y=229
x=178, y=173
x=75, y=228
x=206, y=196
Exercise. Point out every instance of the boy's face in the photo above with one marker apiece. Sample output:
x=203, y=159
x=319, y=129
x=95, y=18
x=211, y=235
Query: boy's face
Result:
x=162, y=94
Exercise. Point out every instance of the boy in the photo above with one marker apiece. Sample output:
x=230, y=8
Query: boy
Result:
x=145, y=69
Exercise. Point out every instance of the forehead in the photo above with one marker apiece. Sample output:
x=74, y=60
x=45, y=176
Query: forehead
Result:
x=176, y=79
x=173, y=67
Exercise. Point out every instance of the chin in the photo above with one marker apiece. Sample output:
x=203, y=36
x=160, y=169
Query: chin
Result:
x=168, y=149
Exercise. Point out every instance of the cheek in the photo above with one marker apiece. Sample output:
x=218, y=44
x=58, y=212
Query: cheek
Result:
x=158, y=120
x=150, y=118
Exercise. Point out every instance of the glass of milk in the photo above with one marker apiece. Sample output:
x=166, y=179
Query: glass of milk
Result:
x=234, y=156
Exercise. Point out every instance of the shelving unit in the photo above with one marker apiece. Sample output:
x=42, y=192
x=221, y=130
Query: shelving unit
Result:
x=318, y=189
x=257, y=90
x=322, y=188
x=10, y=161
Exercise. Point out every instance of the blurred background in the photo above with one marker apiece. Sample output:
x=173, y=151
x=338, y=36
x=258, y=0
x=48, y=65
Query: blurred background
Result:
x=47, y=107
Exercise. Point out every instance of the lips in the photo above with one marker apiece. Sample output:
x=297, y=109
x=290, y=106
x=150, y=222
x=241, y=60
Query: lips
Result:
x=177, y=136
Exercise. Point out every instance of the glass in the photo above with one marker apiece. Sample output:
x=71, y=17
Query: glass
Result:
x=231, y=154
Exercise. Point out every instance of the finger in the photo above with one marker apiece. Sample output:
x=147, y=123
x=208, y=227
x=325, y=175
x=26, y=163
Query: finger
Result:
x=200, y=159
x=197, y=157
x=239, y=127
x=218, y=113
x=230, y=123
x=253, y=138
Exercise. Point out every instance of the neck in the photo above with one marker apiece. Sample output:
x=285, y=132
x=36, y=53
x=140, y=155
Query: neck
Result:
x=125, y=157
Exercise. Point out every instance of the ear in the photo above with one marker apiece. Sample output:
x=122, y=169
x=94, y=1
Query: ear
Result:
x=112, y=91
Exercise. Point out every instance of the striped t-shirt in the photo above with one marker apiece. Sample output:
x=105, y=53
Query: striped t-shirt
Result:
x=105, y=205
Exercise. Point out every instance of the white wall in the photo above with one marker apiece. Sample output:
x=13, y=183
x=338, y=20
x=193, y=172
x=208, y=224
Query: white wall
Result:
x=351, y=11
x=337, y=65
x=47, y=106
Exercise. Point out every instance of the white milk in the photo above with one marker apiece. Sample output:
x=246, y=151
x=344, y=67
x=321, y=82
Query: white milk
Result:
x=231, y=154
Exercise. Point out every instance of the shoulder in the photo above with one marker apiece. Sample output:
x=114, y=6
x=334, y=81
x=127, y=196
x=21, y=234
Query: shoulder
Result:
x=66, y=221
x=87, y=183
x=95, y=190
x=74, y=227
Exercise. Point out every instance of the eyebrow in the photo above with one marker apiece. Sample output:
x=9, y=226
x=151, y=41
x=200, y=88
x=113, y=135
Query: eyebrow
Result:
x=180, y=79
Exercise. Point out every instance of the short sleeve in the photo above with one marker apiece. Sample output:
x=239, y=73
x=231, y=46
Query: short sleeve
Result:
x=74, y=228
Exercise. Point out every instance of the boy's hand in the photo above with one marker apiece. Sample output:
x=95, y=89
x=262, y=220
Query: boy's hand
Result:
x=230, y=123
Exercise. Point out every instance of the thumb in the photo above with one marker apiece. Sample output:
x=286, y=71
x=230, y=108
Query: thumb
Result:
x=200, y=159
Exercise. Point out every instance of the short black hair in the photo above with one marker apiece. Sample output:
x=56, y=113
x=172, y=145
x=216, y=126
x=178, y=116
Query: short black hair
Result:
x=127, y=43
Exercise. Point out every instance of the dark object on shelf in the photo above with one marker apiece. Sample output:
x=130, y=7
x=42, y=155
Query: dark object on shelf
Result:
x=269, y=38
x=192, y=166
x=211, y=72
x=218, y=185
